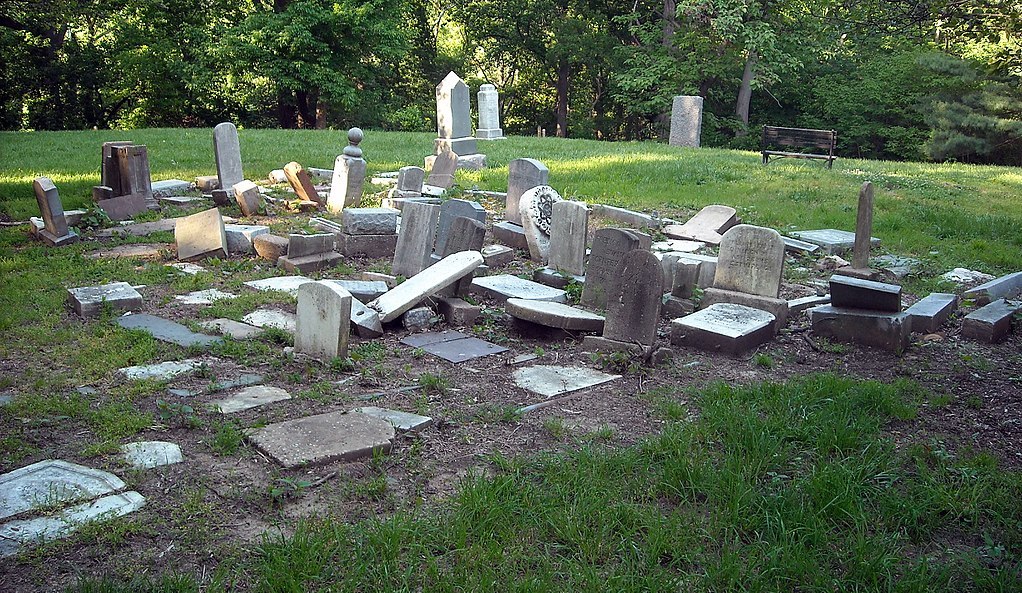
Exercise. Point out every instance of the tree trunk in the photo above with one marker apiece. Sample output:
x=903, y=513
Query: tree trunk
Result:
x=745, y=92
x=285, y=110
x=563, y=80
x=320, y=115
x=670, y=23
x=306, y=109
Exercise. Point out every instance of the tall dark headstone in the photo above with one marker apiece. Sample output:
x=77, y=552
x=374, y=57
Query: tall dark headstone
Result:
x=133, y=164
x=450, y=211
x=55, y=231
x=633, y=299
x=609, y=249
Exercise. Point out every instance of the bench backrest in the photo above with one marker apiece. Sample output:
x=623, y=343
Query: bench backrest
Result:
x=799, y=138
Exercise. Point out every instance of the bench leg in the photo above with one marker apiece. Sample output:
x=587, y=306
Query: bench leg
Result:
x=766, y=159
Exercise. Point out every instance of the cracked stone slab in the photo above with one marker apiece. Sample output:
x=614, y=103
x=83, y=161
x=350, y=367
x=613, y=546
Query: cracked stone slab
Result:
x=336, y=436
x=250, y=397
x=229, y=327
x=139, y=250
x=551, y=380
x=457, y=351
x=161, y=371
x=204, y=297
x=288, y=284
x=50, y=482
x=554, y=315
x=420, y=340
x=88, y=301
x=505, y=286
x=166, y=330
x=402, y=421
x=272, y=318
x=150, y=454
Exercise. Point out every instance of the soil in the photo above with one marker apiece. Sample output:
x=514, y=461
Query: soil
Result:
x=212, y=507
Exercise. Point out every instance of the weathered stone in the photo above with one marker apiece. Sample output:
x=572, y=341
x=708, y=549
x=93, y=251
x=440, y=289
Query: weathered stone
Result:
x=685, y=278
x=248, y=398
x=166, y=330
x=633, y=301
x=409, y=180
x=207, y=183
x=522, y=175
x=204, y=297
x=751, y=260
x=489, y=114
x=464, y=234
x=550, y=380
x=101, y=192
x=418, y=319
x=798, y=246
x=162, y=371
x=686, y=121
x=504, y=286
x=965, y=276
x=462, y=350
x=288, y=284
x=56, y=231
x=510, y=234
x=442, y=173
x=796, y=306
x=221, y=197
x=124, y=207
x=301, y=183
x=609, y=248
x=628, y=217
x=853, y=293
x=365, y=321
x=89, y=301
x=324, y=438
x=110, y=174
x=679, y=245
x=407, y=294
x=554, y=278
x=248, y=197
x=831, y=241
x=169, y=187
x=180, y=200
x=415, y=241
x=200, y=235
x=140, y=229
x=1008, y=286
x=363, y=290
x=324, y=320
x=863, y=228
x=453, y=117
x=990, y=323
x=535, y=207
x=674, y=306
x=554, y=315
x=272, y=318
x=307, y=264
x=458, y=312
x=133, y=162
x=302, y=245
x=372, y=246
x=724, y=327
x=52, y=482
x=235, y=329
x=569, y=227
x=402, y=421
x=927, y=315
x=241, y=237
x=369, y=221
x=133, y=250
x=270, y=247
x=775, y=306
x=880, y=329
x=708, y=225
x=495, y=256
x=227, y=152
x=451, y=210
x=150, y=454
x=346, y=186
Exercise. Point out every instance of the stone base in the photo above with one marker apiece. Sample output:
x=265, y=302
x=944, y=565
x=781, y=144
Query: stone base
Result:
x=777, y=307
x=510, y=234
x=495, y=256
x=458, y=312
x=990, y=323
x=674, y=307
x=270, y=247
x=459, y=146
x=860, y=273
x=880, y=329
x=367, y=245
x=241, y=237
x=55, y=241
x=310, y=263
x=554, y=315
x=601, y=344
x=930, y=313
x=89, y=301
x=490, y=134
x=724, y=327
x=552, y=277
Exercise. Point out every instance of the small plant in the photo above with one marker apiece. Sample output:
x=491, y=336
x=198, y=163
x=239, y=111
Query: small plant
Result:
x=538, y=351
x=176, y=414
x=342, y=365
x=431, y=383
x=615, y=362
x=369, y=351
x=764, y=360
x=574, y=290
x=826, y=345
x=603, y=433
x=94, y=218
x=282, y=489
x=555, y=426
x=227, y=439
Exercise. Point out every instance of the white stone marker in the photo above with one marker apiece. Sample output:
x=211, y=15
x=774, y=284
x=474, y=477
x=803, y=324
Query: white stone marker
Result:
x=454, y=117
x=489, y=114
x=150, y=454
x=349, y=175
x=201, y=235
x=686, y=121
x=324, y=320
x=227, y=151
x=444, y=273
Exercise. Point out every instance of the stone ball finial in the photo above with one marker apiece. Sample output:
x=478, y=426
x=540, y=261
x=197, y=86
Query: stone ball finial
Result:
x=355, y=136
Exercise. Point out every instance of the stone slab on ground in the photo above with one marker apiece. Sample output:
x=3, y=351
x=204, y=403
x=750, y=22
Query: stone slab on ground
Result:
x=552, y=380
x=306, y=264
x=268, y=317
x=776, y=307
x=89, y=301
x=180, y=200
x=1008, y=286
x=724, y=327
x=607, y=345
x=505, y=286
x=123, y=207
x=681, y=245
x=138, y=250
x=929, y=313
x=464, y=349
x=854, y=293
x=170, y=187
x=161, y=371
x=52, y=481
x=796, y=306
x=423, y=339
x=497, y=255
x=363, y=290
x=879, y=329
x=554, y=278
x=204, y=297
x=16, y=535
x=248, y=398
x=792, y=244
x=229, y=327
x=556, y=315
x=402, y=421
x=831, y=241
x=150, y=454
x=140, y=229
x=990, y=323
x=708, y=225
x=288, y=284
x=241, y=237
x=166, y=330
x=336, y=436
x=187, y=268
x=444, y=273
x=628, y=217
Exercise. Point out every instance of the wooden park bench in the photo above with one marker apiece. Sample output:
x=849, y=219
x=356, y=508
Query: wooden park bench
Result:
x=796, y=141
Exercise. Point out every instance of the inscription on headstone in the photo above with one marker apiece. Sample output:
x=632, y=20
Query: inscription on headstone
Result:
x=609, y=248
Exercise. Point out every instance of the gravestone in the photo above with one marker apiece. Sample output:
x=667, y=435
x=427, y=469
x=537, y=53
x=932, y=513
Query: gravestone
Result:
x=166, y=330
x=299, y=179
x=416, y=238
x=453, y=117
x=309, y=253
x=855, y=293
x=1007, y=286
x=227, y=152
x=409, y=181
x=369, y=221
x=451, y=210
x=442, y=173
x=724, y=327
x=89, y=301
x=506, y=286
x=569, y=227
x=55, y=231
x=200, y=235
x=708, y=225
x=248, y=196
x=123, y=207
x=927, y=315
x=522, y=175
x=633, y=305
x=536, y=207
x=489, y=114
x=751, y=260
x=609, y=248
x=991, y=323
x=324, y=320
x=466, y=234
x=686, y=121
x=863, y=228
x=241, y=237
x=324, y=438
x=831, y=241
x=110, y=174
x=881, y=329
x=133, y=163
x=406, y=295
x=349, y=175
x=556, y=315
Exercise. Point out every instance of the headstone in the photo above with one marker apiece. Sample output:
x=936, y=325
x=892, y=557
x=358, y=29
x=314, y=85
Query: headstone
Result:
x=301, y=183
x=708, y=225
x=110, y=174
x=415, y=241
x=464, y=234
x=453, y=117
x=170, y=187
x=250, y=397
x=880, y=329
x=991, y=323
x=724, y=327
x=309, y=253
x=406, y=295
x=101, y=192
x=249, y=198
x=929, y=313
x=227, y=152
x=552, y=380
x=52, y=481
x=796, y=306
x=489, y=114
x=522, y=175
x=324, y=320
x=569, y=227
x=369, y=221
x=55, y=231
x=150, y=454
x=166, y=330
x=496, y=256
x=831, y=241
x=133, y=162
x=686, y=121
x=463, y=350
x=409, y=181
x=163, y=371
x=348, y=176
x=450, y=210
x=270, y=247
x=854, y=293
x=89, y=301
x=627, y=217
x=442, y=173
x=241, y=237
x=633, y=303
x=505, y=286
x=1008, y=286
x=863, y=228
x=402, y=421
x=365, y=321
x=555, y=315
x=609, y=248
x=314, y=440
x=200, y=235
x=123, y=207
x=535, y=207
x=751, y=260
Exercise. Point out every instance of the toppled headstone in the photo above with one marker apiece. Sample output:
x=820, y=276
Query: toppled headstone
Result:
x=724, y=327
x=402, y=421
x=89, y=301
x=249, y=199
x=200, y=235
x=250, y=397
x=418, y=319
x=166, y=330
x=796, y=306
x=552, y=380
x=50, y=482
x=229, y=327
x=708, y=225
x=881, y=329
x=854, y=293
x=123, y=207
x=324, y=320
x=204, y=297
x=407, y=294
x=324, y=438
x=150, y=454
x=522, y=175
x=409, y=182
x=832, y=241
x=169, y=187
x=55, y=231
x=627, y=217
x=365, y=321
x=187, y=268
x=686, y=121
x=451, y=210
x=161, y=371
x=505, y=286
x=270, y=247
x=227, y=152
x=207, y=183
x=990, y=323
x=133, y=250
x=453, y=117
x=140, y=229
x=496, y=256
x=363, y=290
x=609, y=248
x=301, y=183
x=555, y=315
x=369, y=221
x=241, y=237
x=679, y=245
x=180, y=200
x=1008, y=286
x=415, y=241
x=309, y=253
x=928, y=314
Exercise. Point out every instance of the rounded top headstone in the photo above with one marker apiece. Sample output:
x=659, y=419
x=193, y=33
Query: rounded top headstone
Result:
x=355, y=136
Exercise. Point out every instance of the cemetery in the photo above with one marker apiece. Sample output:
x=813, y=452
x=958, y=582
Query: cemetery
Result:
x=374, y=335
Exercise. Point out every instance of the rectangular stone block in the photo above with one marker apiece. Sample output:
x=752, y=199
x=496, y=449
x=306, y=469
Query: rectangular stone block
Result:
x=170, y=187
x=302, y=245
x=724, y=327
x=1008, y=286
x=458, y=312
x=363, y=290
x=686, y=121
x=240, y=237
x=207, y=183
x=248, y=197
x=416, y=239
x=270, y=247
x=879, y=329
x=89, y=301
x=776, y=307
x=990, y=323
x=371, y=246
x=200, y=235
x=133, y=162
x=124, y=207
x=928, y=314
x=309, y=263
x=369, y=221
x=855, y=293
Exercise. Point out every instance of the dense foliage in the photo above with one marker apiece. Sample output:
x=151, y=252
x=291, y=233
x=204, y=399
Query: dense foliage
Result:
x=899, y=79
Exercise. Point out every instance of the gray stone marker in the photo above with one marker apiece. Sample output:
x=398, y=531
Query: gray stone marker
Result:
x=880, y=329
x=200, y=235
x=863, y=228
x=454, y=117
x=609, y=248
x=150, y=454
x=55, y=231
x=708, y=225
x=464, y=234
x=133, y=162
x=426, y=338
x=275, y=318
x=248, y=197
x=990, y=323
x=309, y=253
x=123, y=207
x=89, y=301
x=288, y=284
x=489, y=113
x=496, y=256
x=522, y=175
x=110, y=174
x=229, y=327
x=402, y=421
x=751, y=260
x=363, y=290
x=505, y=286
x=552, y=380
x=365, y=321
x=633, y=303
x=410, y=180
x=536, y=208
x=628, y=217
x=324, y=320
x=161, y=371
x=406, y=295
x=463, y=350
x=855, y=293
x=415, y=241
x=349, y=175
x=204, y=297
x=51, y=482
x=555, y=315
x=1008, y=286
x=241, y=237
x=250, y=397
x=831, y=241
x=369, y=221
x=450, y=210
x=569, y=227
x=227, y=152
x=442, y=173
x=796, y=306
x=686, y=121
x=324, y=438
x=166, y=330
x=724, y=327
x=458, y=312
x=166, y=188
x=928, y=314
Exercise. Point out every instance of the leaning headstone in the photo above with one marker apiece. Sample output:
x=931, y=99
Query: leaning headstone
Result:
x=465, y=234
x=249, y=198
x=536, y=206
x=444, y=273
x=749, y=269
x=449, y=211
x=133, y=162
x=349, y=175
x=442, y=173
x=123, y=207
x=708, y=225
x=855, y=293
x=489, y=114
x=633, y=305
x=863, y=228
x=522, y=175
x=365, y=321
x=609, y=248
x=200, y=235
x=1008, y=286
x=409, y=182
x=89, y=301
x=227, y=152
x=686, y=121
x=301, y=183
x=55, y=231
x=991, y=323
x=324, y=320
x=453, y=117
x=415, y=241
x=569, y=227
